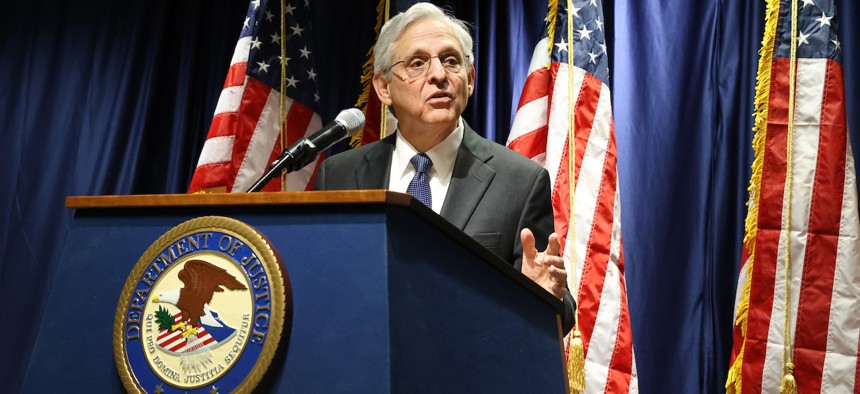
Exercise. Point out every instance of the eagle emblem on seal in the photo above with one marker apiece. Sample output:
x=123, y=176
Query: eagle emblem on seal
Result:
x=196, y=328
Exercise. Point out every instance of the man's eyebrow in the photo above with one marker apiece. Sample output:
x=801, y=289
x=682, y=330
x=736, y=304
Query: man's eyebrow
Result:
x=441, y=51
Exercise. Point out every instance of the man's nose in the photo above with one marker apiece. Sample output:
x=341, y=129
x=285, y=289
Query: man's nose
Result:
x=436, y=72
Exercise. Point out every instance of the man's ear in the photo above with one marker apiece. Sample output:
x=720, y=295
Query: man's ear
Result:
x=471, y=87
x=380, y=84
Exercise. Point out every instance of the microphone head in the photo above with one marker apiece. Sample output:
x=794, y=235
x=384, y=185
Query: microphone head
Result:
x=352, y=119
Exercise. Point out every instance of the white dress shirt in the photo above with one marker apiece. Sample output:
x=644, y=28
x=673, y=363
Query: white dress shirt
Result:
x=443, y=157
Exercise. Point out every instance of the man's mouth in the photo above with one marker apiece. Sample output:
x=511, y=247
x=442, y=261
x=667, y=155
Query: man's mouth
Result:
x=440, y=97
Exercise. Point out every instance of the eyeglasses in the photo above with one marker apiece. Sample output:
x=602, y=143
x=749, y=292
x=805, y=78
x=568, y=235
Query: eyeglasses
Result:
x=417, y=65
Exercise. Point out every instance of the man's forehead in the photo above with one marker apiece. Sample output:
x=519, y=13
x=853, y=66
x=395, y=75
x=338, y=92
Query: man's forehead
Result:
x=427, y=36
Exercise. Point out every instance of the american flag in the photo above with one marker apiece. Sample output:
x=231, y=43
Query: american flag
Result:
x=173, y=342
x=540, y=131
x=812, y=192
x=245, y=135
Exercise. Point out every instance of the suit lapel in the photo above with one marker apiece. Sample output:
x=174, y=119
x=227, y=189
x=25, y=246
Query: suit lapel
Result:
x=374, y=170
x=470, y=179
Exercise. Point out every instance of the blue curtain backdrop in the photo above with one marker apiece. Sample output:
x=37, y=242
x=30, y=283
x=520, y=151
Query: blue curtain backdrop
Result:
x=104, y=97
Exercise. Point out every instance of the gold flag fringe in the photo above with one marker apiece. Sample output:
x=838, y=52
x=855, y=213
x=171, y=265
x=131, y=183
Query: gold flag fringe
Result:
x=367, y=70
x=762, y=96
x=551, y=22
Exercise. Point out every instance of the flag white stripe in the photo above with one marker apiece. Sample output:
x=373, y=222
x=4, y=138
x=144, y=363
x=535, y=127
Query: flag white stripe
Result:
x=531, y=116
x=216, y=150
x=843, y=332
x=230, y=99
x=602, y=344
x=739, y=291
x=243, y=48
x=266, y=132
x=810, y=82
x=540, y=56
x=634, y=379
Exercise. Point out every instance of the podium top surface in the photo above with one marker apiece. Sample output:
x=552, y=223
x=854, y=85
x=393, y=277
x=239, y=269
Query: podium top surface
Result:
x=223, y=199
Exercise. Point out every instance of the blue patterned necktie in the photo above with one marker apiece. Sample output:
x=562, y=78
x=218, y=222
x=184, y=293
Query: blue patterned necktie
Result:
x=419, y=186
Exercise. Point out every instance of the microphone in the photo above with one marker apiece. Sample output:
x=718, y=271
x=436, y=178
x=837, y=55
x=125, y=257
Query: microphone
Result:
x=301, y=153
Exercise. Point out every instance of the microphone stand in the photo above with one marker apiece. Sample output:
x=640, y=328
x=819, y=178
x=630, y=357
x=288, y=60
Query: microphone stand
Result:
x=292, y=159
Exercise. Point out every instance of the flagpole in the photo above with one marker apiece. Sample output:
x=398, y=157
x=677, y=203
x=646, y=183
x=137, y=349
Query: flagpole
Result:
x=283, y=91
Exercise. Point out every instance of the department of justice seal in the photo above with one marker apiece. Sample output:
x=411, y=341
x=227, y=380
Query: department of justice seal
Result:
x=202, y=311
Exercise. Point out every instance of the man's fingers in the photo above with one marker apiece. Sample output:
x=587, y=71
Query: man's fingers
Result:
x=528, y=241
x=559, y=274
x=551, y=261
x=554, y=246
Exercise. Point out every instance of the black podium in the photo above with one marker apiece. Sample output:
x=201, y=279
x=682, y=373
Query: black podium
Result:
x=387, y=297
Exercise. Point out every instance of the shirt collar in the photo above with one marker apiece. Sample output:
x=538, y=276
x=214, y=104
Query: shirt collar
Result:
x=443, y=154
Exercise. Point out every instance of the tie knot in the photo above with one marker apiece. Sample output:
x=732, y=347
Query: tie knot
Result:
x=421, y=162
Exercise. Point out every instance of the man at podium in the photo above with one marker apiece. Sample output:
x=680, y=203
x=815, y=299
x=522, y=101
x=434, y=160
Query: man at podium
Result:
x=423, y=71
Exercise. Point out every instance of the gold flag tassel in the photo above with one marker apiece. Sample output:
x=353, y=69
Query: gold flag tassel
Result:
x=576, y=363
x=789, y=385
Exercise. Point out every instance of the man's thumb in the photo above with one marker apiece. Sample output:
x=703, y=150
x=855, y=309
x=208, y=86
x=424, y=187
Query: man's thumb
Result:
x=528, y=241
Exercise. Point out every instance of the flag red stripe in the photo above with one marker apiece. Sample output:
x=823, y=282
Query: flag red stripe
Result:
x=597, y=250
x=538, y=85
x=561, y=198
x=313, y=178
x=253, y=101
x=373, y=118
x=236, y=75
x=586, y=108
x=223, y=124
x=769, y=222
x=210, y=175
x=813, y=312
x=532, y=143
x=298, y=119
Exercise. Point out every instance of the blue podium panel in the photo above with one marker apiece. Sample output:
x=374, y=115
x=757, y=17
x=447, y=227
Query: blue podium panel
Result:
x=384, y=300
x=460, y=321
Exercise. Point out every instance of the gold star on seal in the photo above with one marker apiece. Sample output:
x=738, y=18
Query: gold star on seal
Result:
x=159, y=389
x=214, y=390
